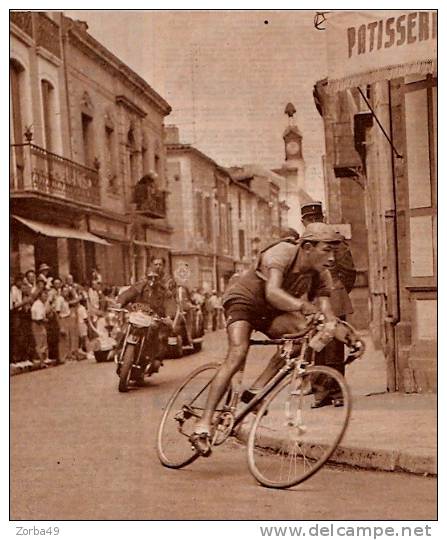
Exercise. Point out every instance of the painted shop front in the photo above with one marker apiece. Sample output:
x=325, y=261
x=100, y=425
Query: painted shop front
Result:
x=387, y=60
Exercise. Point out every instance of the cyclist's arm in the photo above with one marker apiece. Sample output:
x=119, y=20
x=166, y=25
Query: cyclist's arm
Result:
x=277, y=297
x=323, y=294
x=325, y=307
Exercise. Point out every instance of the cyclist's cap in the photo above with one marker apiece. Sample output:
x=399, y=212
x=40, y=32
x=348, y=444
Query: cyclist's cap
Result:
x=320, y=232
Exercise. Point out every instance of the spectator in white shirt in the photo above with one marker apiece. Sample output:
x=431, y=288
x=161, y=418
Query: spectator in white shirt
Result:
x=93, y=299
x=96, y=276
x=30, y=281
x=38, y=326
x=63, y=310
x=82, y=324
x=15, y=308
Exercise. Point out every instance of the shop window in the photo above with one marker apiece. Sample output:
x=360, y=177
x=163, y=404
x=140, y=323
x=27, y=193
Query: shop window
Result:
x=418, y=153
x=420, y=116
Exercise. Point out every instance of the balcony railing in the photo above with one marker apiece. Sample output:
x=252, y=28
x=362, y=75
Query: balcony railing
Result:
x=151, y=202
x=22, y=19
x=40, y=27
x=34, y=169
x=47, y=34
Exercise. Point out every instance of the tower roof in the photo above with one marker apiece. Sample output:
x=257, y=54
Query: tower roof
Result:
x=292, y=129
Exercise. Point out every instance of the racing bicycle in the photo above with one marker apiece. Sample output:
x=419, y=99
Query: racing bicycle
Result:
x=289, y=438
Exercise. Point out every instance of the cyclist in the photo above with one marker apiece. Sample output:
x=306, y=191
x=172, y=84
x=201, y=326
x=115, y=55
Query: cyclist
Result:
x=290, y=279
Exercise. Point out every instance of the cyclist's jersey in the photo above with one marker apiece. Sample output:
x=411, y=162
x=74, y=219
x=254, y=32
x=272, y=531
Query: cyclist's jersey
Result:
x=249, y=287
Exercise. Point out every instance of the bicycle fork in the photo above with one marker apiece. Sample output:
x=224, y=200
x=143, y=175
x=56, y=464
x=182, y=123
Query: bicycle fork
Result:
x=294, y=418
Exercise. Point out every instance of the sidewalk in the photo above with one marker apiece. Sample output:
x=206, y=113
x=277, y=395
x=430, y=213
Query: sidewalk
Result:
x=387, y=431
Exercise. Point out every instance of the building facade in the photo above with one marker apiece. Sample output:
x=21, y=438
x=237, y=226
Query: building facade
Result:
x=258, y=219
x=85, y=131
x=220, y=216
x=199, y=210
x=381, y=152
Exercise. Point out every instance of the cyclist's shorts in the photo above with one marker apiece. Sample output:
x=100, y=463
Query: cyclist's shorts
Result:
x=238, y=311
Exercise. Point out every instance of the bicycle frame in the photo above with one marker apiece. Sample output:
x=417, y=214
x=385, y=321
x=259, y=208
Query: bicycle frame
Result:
x=292, y=363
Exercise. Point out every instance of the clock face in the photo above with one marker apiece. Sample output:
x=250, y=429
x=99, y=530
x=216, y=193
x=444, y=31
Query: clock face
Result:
x=292, y=147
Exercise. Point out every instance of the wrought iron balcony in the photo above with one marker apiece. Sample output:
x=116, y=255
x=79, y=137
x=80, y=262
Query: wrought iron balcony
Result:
x=40, y=27
x=150, y=201
x=47, y=34
x=35, y=170
x=22, y=19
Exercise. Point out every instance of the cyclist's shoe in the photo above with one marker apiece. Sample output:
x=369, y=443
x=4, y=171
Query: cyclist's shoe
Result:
x=202, y=443
x=321, y=402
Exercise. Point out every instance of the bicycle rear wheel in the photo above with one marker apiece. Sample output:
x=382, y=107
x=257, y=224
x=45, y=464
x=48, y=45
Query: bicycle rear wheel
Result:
x=182, y=411
x=290, y=440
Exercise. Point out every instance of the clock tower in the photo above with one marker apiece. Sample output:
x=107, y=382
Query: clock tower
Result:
x=293, y=143
x=292, y=170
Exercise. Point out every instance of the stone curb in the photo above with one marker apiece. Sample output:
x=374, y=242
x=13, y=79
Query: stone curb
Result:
x=385, y=460
x=26, y=367
x=375, y=459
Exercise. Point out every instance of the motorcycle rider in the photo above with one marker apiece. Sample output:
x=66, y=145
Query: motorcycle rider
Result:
x=154, y=291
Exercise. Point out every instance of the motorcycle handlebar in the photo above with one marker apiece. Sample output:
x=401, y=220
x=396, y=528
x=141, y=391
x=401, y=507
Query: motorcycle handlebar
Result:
x=119, y=309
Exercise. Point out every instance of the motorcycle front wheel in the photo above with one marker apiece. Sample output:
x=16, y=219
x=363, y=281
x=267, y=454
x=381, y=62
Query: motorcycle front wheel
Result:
x=126, y=367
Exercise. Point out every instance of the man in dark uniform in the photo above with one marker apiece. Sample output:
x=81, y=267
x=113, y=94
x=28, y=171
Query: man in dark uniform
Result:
x=343, y=276
x=287, y=280
x=156, y=290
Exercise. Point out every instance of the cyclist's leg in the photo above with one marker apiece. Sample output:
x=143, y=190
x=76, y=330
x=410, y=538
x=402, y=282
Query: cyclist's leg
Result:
x=238, y=342
x=324, y=391
x=286, y=323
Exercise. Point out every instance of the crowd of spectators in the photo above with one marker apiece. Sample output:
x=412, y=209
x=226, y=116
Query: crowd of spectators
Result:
x=49, y=315
x=212, y=308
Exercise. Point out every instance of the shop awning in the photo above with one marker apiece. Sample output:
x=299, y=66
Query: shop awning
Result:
x=151, y=245
x=366, y=46
x=60, y=232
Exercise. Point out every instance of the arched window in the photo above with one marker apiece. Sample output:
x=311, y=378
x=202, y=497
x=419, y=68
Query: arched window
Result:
x=88, y=141
x=145, y=154
x=110, y=154
x=131, y=144
x=48, y=107
x=16, y=75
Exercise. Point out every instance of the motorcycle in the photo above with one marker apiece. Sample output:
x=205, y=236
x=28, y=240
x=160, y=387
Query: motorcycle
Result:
x=143, y=345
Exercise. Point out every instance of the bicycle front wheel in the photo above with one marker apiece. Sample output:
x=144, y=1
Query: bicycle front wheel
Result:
x=291, y=438
x=181, y=413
